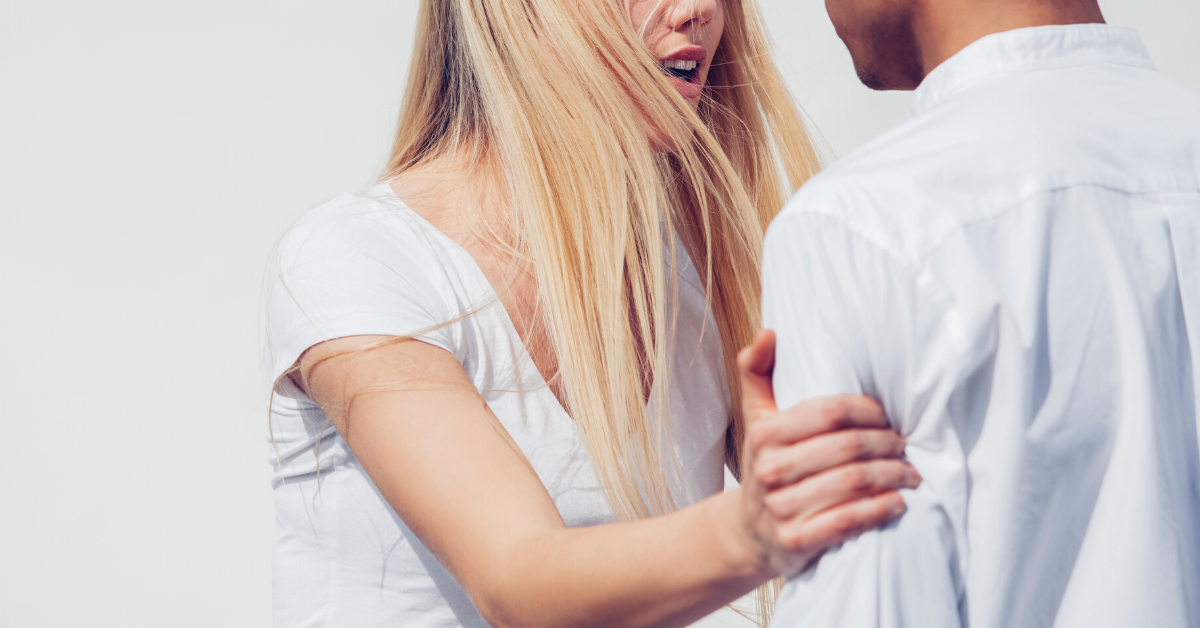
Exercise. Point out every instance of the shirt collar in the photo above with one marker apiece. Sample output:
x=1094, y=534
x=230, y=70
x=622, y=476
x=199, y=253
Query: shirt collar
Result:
x=1026, y=49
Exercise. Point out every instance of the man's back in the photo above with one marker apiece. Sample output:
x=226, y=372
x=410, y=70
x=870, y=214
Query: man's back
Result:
x=1013, y=273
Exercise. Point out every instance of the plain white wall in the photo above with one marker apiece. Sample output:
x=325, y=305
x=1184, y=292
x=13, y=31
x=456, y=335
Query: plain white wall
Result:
x=150, y=153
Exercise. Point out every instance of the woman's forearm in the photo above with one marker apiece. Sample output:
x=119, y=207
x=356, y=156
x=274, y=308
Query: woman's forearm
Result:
x=817, y=474
x=665, y=571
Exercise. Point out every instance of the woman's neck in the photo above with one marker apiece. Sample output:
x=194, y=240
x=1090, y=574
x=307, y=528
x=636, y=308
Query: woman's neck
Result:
x=465, y=200
x=460, y=194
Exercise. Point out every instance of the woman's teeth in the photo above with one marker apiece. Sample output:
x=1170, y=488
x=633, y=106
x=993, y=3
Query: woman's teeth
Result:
x=679, y=64
x=680, y=69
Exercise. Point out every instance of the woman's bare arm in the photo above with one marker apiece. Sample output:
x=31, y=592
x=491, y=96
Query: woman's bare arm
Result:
x=449, y=469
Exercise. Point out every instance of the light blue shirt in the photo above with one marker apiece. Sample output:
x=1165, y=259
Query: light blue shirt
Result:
x=1014, y=273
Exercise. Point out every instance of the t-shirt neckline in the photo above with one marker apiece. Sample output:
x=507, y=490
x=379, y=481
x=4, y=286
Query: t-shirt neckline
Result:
x=493, y=297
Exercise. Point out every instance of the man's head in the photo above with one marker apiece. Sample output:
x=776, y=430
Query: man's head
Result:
x=895, y=43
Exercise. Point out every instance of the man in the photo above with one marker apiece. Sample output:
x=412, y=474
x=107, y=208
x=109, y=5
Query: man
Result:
x=1014, y=273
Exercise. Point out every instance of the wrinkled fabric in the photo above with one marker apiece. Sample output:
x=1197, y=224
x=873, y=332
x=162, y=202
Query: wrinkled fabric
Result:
x=1013, y=273
x=367, y=264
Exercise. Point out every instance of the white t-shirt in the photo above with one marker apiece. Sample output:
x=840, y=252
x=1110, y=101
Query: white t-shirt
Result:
x=368, y=265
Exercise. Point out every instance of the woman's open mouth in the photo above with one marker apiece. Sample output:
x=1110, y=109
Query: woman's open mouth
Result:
x=680, y=69
x=683, y=71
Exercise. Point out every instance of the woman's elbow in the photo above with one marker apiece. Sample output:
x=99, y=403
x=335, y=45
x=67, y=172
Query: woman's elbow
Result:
x=508, y=602
x=504, y=612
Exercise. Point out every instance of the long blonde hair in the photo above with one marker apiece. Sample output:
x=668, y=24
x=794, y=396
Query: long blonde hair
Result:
x=591, y=197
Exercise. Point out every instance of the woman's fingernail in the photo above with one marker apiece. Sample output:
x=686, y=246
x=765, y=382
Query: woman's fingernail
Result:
x=898, y=505
x=912, y=476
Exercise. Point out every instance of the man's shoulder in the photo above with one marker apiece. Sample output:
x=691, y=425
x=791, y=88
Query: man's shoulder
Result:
x=885, y=192
x=994, y=146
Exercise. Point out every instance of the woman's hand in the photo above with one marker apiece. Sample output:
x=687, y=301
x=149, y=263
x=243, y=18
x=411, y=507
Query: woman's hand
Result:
x=816, y=474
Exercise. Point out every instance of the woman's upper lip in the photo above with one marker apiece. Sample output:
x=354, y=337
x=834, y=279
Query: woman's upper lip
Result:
x=690, y=53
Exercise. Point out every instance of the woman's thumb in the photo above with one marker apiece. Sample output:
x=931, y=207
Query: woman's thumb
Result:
x=756, y=363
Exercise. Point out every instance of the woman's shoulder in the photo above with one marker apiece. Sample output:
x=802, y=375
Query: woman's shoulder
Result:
x=372, y=222
x=359, y=264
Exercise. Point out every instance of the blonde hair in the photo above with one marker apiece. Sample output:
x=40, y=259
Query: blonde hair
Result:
x=591, y=197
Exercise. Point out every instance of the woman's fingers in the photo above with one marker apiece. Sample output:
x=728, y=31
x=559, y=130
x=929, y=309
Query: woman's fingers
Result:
x=816, y=416
x=805, y=537
x=780, y=466
x=756, y=363
x=821, y=472
x=844, y=484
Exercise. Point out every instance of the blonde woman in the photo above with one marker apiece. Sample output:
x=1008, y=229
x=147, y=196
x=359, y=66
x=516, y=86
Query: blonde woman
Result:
x=505, y=383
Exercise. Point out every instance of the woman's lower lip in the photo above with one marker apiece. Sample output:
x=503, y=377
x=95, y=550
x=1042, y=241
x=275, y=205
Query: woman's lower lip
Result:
x=689, y=91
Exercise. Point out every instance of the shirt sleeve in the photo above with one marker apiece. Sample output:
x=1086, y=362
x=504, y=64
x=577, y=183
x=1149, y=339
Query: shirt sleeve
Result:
x=851, y=317
x=350, y=273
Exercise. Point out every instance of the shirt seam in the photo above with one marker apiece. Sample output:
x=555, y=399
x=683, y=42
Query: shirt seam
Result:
x=916, y=271
x=934, y=248
x=917, y=268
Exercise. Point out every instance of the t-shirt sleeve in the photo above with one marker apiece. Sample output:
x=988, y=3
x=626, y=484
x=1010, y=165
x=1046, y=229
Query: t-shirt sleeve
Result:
x=351, y=273
x=853, y=318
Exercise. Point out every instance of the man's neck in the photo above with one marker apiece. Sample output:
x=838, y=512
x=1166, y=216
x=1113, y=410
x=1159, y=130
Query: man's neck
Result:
x=944, y=27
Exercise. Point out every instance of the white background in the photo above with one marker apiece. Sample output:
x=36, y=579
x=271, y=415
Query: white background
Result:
x=150, y=153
